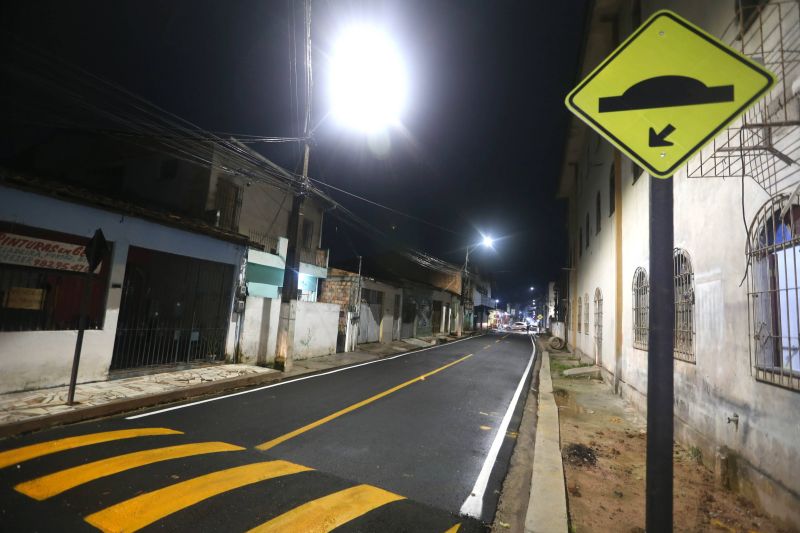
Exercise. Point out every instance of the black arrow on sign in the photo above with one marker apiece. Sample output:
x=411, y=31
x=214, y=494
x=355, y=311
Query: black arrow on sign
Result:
x=660, y=139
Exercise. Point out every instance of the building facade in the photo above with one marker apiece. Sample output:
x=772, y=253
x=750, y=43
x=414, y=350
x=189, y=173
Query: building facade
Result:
x=735, y=262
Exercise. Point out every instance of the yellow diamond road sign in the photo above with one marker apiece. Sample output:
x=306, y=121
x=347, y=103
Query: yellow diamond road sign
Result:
x=667, y=91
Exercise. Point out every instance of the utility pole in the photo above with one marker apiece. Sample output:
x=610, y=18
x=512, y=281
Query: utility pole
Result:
x=285, y=348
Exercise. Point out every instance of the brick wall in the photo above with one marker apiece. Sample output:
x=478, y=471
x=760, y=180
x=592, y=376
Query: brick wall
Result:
x=339, y=288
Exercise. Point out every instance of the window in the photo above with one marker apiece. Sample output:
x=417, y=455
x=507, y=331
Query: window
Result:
x=636, y=13
x=371, y=297
x=587, y=231
x=586, y=314
x=747, y=12
x=169, y=170
x=597, y=215
x=307, y=234
x=598, y=322
x=580, y=306
x=612, y=190
x=774, y=293
x=636, y=171
x=641, y=309
x=684, y=305
x=229, y=204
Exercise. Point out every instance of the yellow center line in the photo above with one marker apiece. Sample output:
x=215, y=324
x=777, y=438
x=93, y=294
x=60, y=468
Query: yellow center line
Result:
x=283, y=438
x=454, y=529
x=47, y=486
x=329, y=512
x=140, y=511
x=19, y=455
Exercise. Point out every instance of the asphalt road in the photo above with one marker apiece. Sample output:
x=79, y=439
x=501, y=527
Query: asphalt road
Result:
x=415, y=442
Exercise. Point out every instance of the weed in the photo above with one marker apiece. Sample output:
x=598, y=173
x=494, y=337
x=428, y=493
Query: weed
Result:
x=696, y=454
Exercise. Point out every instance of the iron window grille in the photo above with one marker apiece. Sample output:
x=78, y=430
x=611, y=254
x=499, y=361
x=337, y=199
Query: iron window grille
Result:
x=764, y=143
x=774, y=294
x=683, y=283
x=597, y=215
x=586, y=314
x=641, y=309
x=587, y=231
x=580, y=306
x=598, y=321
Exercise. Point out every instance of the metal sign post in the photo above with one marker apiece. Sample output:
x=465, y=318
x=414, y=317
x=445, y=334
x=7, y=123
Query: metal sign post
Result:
x=660, y=384
x=95, y=251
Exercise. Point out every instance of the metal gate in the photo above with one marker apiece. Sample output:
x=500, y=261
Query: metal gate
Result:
x=174, y=309
x=598, y=324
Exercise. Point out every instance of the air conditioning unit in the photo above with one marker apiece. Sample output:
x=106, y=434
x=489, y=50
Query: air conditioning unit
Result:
x=238, y=306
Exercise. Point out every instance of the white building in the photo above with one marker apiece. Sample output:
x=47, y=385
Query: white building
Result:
x=737, y=246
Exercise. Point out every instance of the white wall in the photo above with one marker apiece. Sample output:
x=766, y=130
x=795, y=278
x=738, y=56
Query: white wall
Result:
x=38, y=359
x=259, y=330
x=315, y=329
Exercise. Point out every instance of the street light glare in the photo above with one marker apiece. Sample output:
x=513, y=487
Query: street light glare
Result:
x=488, y=241
x=368, y=80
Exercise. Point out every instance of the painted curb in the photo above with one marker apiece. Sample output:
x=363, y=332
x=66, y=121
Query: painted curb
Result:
x=547, y=507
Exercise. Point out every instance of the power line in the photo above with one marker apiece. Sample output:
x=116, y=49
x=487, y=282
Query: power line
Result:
x=390, y=209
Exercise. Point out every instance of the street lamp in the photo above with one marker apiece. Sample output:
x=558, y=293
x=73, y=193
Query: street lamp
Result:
x=368, y=80
x=369, y=89
x=486, y=242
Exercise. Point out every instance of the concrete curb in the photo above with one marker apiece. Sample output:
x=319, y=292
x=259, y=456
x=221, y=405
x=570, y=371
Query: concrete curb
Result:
x=177, y=395
x=547, y=507
x=132, y=404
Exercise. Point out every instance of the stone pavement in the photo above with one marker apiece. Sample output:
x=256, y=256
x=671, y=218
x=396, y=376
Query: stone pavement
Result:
x=31, y=410
x=24, y=405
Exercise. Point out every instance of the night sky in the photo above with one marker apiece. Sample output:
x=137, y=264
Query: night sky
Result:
x=483, y=132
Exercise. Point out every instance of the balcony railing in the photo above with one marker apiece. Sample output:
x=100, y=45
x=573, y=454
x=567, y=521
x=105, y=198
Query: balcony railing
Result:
x=313, y=256
x=269, y=242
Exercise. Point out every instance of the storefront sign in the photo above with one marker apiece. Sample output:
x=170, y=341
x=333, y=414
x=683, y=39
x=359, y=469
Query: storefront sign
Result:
x=24, y=298
x=41, y=253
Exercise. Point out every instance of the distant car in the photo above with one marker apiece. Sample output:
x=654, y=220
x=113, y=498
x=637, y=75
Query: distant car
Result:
x=519, y=326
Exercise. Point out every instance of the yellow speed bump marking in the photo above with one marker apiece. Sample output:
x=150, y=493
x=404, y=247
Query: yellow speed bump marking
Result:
x=19, y=455
x=283, y=438
x=331, y=511
x=58, y=482
x=138, y=512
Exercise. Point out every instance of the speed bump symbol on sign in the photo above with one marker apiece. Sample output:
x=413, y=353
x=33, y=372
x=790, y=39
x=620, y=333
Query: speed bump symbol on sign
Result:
x=667, y=91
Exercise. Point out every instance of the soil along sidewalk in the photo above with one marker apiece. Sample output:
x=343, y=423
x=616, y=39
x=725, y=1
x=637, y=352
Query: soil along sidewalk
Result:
x=26, y=411
x=603, y=445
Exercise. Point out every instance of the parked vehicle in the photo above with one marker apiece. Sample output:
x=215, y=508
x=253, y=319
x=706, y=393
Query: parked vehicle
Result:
x=519, y=326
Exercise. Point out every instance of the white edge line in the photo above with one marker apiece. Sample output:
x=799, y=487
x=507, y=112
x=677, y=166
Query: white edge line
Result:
x=295, y=380
x=473, y=505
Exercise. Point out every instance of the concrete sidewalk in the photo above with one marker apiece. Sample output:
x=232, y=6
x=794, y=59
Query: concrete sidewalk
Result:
x=26, y=411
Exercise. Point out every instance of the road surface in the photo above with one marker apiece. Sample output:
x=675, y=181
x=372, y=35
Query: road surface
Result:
x=414, y=442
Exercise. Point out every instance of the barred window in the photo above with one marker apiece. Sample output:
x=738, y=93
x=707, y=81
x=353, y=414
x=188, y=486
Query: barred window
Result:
x=683, y=283
x=641, y=308
x=587, y=231
x=597, y=214
x=586, y=314
x=598, y=322
x=580, y=306
x=774, y=293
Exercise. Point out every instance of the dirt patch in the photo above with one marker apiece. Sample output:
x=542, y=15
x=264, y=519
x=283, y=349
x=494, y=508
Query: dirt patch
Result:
x=580, y=455
x=607, y=493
